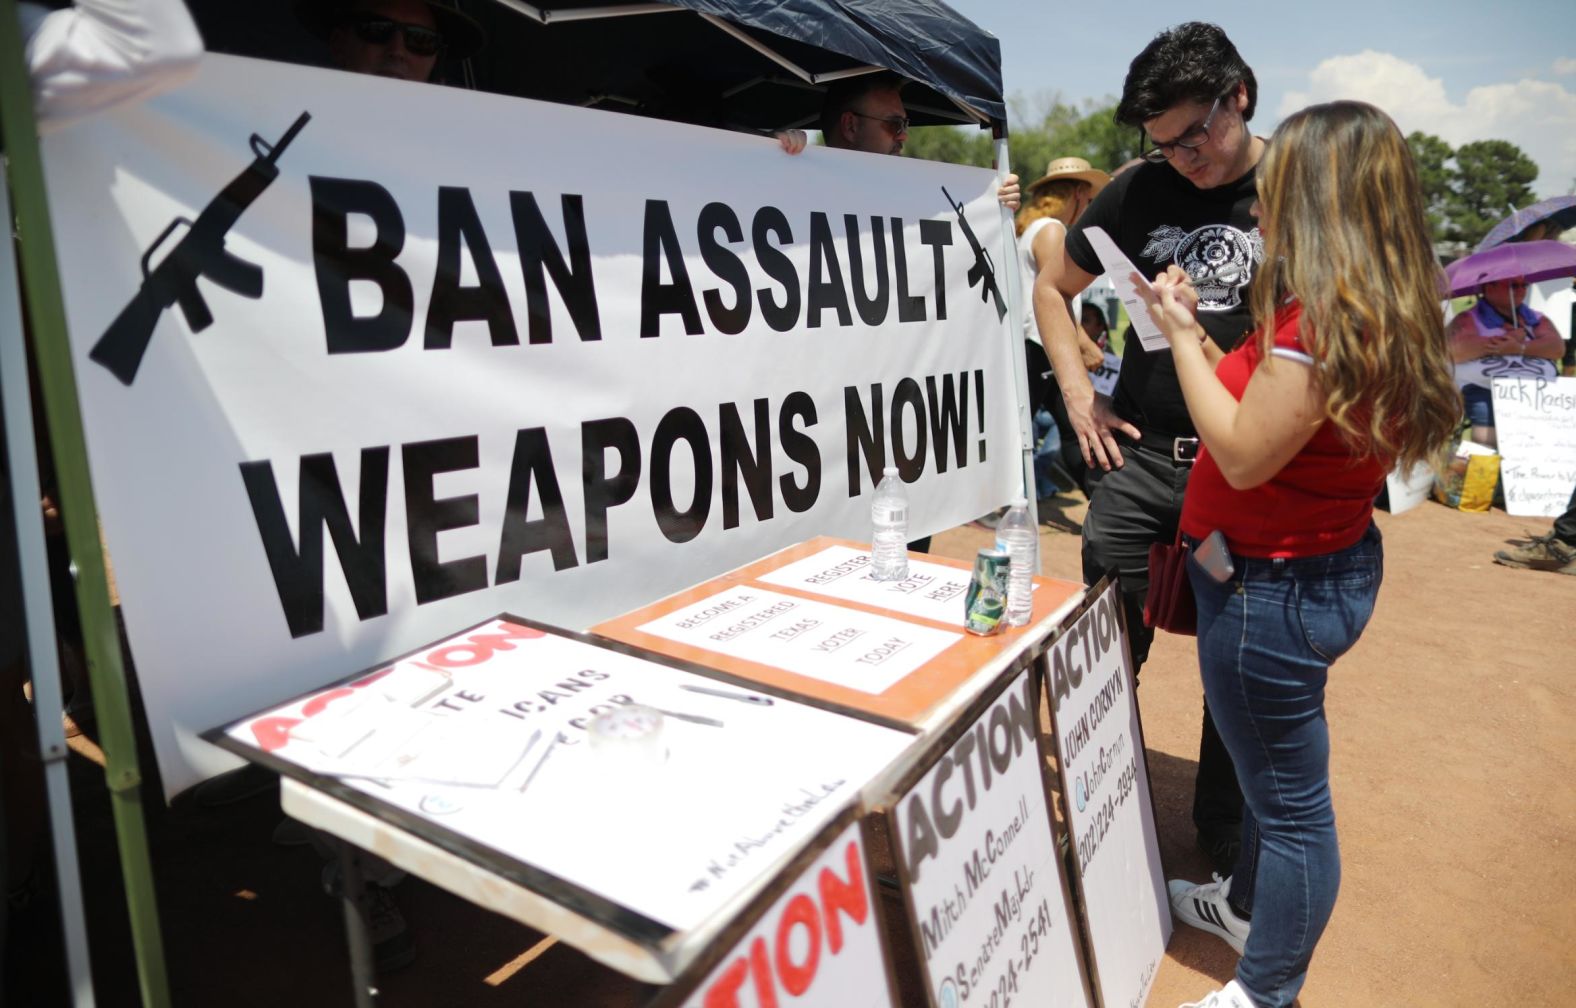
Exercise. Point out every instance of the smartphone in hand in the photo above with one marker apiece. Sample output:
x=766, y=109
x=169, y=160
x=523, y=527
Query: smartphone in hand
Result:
x=1214, y=557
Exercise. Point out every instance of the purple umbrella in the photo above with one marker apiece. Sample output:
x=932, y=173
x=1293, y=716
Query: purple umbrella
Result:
x=1561, y=210
x=1533, y=261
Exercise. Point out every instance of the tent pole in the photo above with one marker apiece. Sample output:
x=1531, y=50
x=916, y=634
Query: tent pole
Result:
x=1014, y=332
x=46, y=312
x=43, y=658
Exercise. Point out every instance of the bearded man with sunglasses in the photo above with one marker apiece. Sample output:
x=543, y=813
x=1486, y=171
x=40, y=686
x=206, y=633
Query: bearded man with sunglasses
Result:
x=1188, y=203
x=402, y=39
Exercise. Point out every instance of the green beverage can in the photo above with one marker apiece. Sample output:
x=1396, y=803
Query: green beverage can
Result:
x=985, y=603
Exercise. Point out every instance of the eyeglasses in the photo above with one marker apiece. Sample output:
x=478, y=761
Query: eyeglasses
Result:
x=374, y=30
x=894, y=124
x=1517, y=284
x=1195, y=137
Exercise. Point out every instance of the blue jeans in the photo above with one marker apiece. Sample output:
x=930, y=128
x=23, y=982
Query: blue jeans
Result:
x=1266, y=639
x=1047, y=454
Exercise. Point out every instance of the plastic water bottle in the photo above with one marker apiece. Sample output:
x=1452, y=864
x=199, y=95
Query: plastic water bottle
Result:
x=889, y=515
x=1016, y=534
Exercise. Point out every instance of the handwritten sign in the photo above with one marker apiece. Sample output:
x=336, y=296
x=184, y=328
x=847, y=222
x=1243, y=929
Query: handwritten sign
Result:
x=819, y=944
x=982, y=877
x=1106, y=784
x=831, y=643
x=931, y=590
x=1535, y=420
x=485, y=731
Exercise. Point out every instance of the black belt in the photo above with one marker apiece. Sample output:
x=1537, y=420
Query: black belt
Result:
x=1180, y=450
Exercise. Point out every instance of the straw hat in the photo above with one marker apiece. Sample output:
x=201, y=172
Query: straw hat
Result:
x=1075, y=168
x=462, y=33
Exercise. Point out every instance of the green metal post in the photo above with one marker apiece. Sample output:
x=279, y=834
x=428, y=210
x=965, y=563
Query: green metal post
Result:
x=46, y=313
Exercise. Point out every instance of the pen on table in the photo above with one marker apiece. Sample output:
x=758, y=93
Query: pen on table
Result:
x=540, y=760
x=749, y=698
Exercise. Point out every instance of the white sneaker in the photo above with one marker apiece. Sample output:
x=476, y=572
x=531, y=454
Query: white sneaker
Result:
x=1229, y=996
x=1205, y=907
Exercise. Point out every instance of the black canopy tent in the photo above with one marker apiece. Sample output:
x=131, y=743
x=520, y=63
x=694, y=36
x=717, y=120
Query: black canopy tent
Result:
x=739, y=64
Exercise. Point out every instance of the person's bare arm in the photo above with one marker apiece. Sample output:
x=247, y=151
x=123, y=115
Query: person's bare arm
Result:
x=1089, y=350
x=1058, y=281
x=1544, y=341
x=1280, y=409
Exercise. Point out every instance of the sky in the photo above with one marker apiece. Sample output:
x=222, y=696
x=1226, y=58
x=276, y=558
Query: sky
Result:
x=1463, y=72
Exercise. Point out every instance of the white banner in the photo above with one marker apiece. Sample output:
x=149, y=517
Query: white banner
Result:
x=974, y=843
x=1535, y=423
x=1105, y=783
x=362, y=362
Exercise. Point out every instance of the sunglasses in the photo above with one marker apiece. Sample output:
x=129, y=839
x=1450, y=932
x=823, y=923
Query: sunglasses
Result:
x=1196, y=136
x=374, y=30
x=894, y=124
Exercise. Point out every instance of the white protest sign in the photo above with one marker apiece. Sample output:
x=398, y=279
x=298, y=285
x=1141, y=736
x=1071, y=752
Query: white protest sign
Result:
x=1406, y=490
x=372, y=383
x=931, y=590
x=1120, y=270
x=732, y=787
x=820, y=945
x=1535, y=422
x=832, y=643
x=1104, y=377
x=979, y=862
x=1105, y=784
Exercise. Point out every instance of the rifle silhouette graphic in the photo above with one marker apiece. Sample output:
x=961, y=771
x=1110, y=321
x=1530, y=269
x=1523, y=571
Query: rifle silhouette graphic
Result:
x=200, y=253
x=983, y=271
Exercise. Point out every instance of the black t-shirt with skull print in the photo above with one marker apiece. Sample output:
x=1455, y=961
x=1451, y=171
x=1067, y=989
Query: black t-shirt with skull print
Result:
x=1157, y=217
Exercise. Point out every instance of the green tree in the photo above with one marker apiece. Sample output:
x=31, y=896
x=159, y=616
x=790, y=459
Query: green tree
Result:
x=1096, y=137
x=1041, y=128
x=1491, y=178
x=1433, y=156
x=966, y=145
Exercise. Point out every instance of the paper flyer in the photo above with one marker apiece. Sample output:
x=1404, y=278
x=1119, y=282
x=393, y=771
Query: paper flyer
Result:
x=831, y=643
x=1119, y=270
x=931, y=590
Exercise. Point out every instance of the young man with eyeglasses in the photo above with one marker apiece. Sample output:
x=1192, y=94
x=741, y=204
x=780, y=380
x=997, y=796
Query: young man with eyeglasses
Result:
x=402, y=39
x=1191, y=96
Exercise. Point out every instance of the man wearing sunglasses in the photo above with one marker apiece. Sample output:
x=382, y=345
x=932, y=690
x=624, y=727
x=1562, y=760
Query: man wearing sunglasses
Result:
x=391, y=38
x=866, y=114
x=1187, y=203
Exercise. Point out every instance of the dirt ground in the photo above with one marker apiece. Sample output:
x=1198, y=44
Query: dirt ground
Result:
x=1454, y=727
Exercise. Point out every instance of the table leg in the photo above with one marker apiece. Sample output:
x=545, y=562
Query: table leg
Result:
x=353, y=896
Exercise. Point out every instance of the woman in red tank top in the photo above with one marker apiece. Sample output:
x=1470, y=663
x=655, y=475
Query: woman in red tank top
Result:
x=1348, y=374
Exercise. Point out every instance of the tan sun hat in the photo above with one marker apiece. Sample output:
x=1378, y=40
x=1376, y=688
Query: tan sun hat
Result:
x=1075, y=168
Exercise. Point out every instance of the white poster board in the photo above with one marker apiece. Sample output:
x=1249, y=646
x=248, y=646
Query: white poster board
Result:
x=978, y=860
x=1406, y=490
x=1104, y=377
x=1105, y=786
x=478, y=734
x=1535, y=421
x=932, y=591
x=349, y=384
x=819, y=945
x=861, y=650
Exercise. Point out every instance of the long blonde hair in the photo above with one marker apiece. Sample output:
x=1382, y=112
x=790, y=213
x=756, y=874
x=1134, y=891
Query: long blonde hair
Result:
x=1050, y=199
x=1341, y=212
